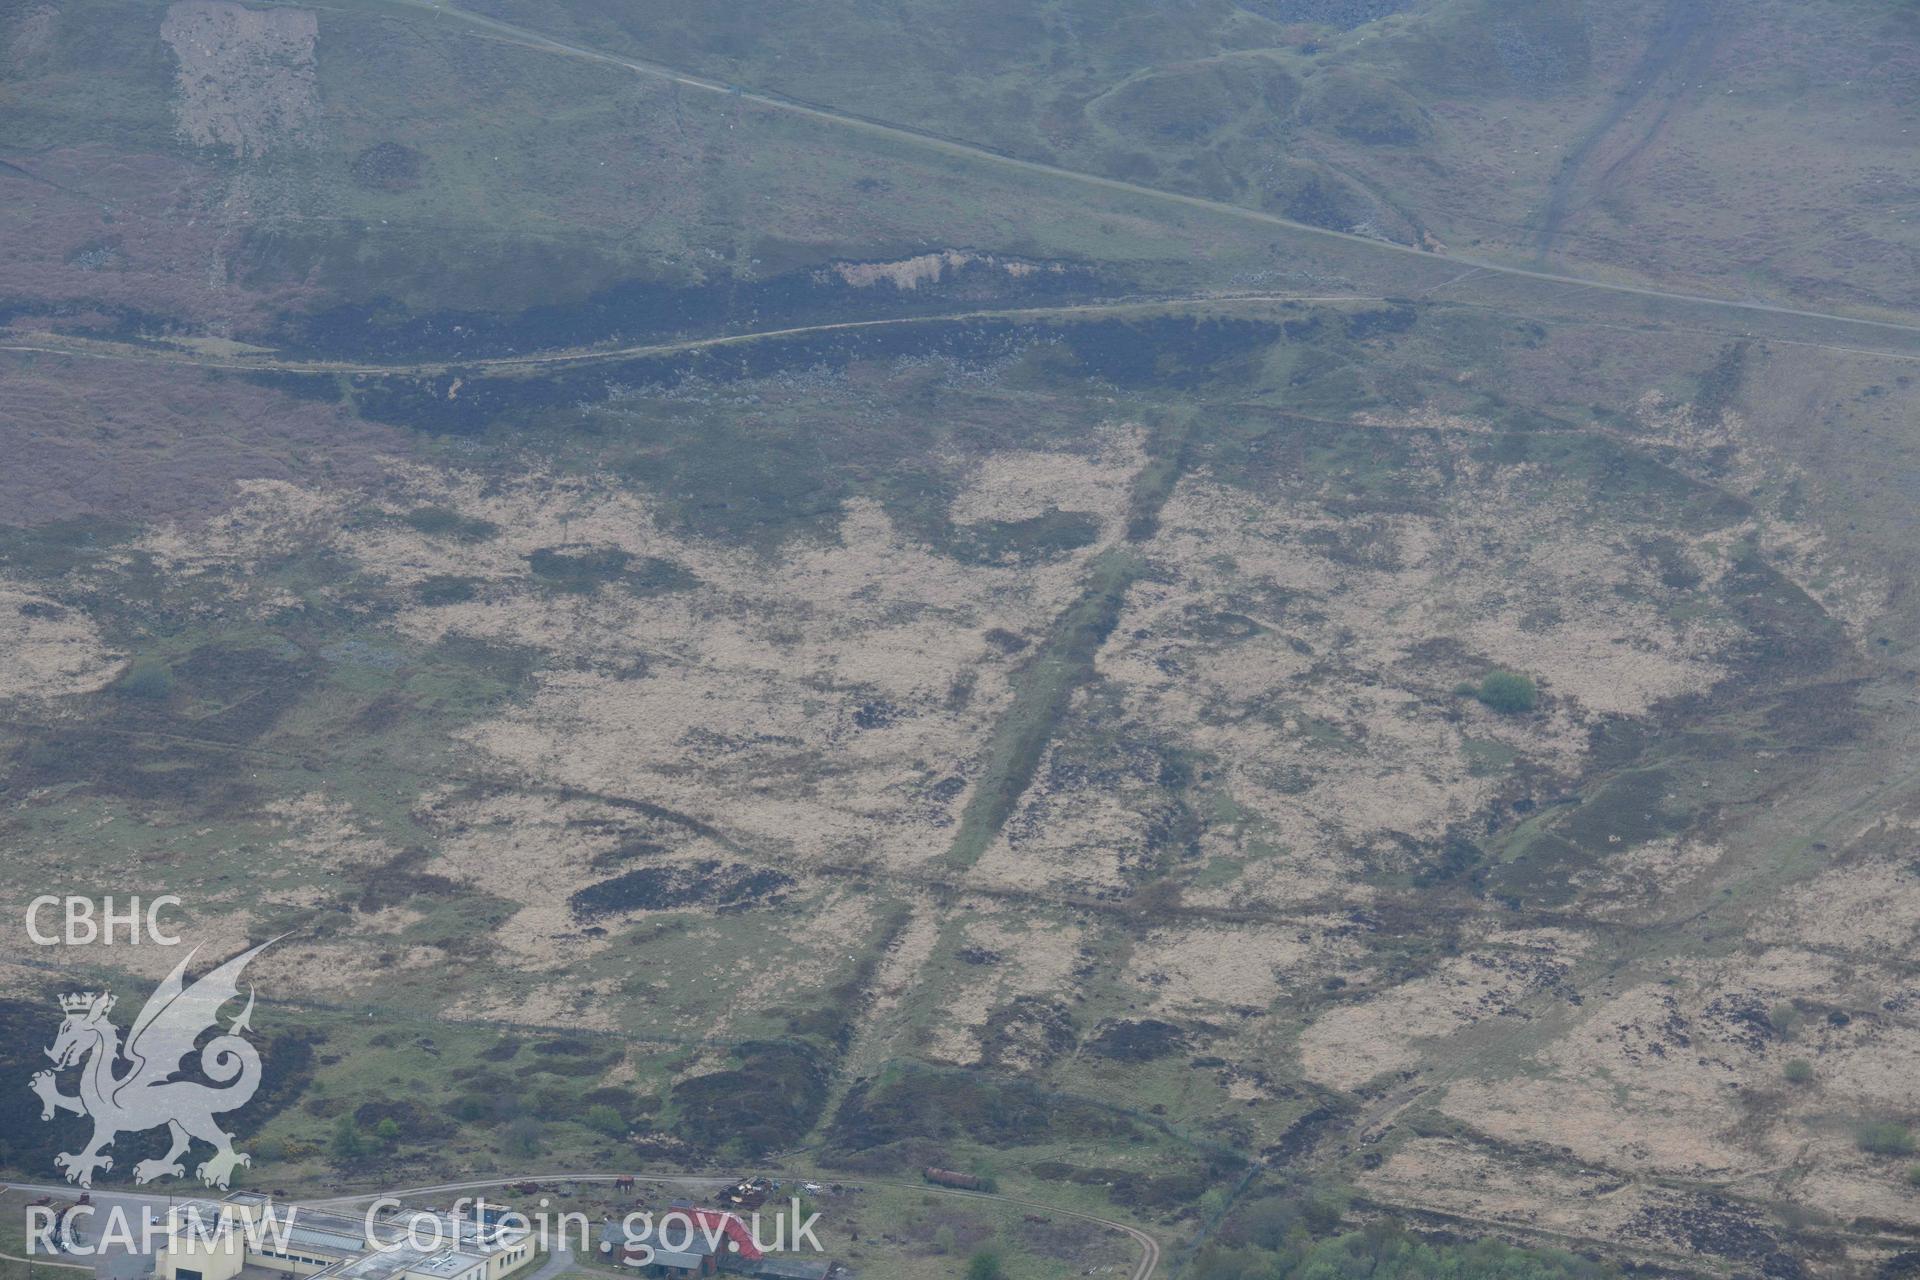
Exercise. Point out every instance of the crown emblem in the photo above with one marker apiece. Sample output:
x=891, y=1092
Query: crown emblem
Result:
x=84, y=1002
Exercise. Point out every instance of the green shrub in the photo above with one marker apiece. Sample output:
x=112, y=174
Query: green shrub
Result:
x=147, y=678
x=1035, y=539
x=1785, y=1019
x=347, y=1145
x=522, y=1137
x=1913, y=1175
x=471, y=1108
x=1799, y=1071
x=440, y=522
x=985, y=1265
x=602, y=1118
x=578, y=572
x=1885, y=1138
x=1508, y=692
x=447, y=588
x=553, y=1103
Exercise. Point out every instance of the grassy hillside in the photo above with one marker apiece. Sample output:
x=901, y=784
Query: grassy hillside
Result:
x=727, y=633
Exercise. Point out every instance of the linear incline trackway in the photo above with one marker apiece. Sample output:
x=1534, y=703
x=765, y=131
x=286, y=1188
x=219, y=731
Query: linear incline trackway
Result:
x=951, y=146
x=58, y=345
x=100, y=349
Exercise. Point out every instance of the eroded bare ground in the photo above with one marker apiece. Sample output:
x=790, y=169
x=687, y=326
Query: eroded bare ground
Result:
x=538, y=731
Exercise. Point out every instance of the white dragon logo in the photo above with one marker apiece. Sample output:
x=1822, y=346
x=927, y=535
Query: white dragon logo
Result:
x=146, y=1096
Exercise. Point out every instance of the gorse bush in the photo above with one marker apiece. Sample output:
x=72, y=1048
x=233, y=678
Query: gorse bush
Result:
x=1799, y=1071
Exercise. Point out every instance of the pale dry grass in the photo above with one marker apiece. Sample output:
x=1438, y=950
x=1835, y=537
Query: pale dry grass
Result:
x=589, y=1006
x=1844, y=585
x=269, y=519
x=1019, y=484
x=1199, y=970
x=1308, y=659
x=1643, y=876
x=536, y=850
x=1036, y=957
x=1080, y=839
x=1655, y=1079
x=1392, y=1031
x=324, y=835
x=246, y=76
x=1863, y=907
x=48, y=650
x=1460, y=1177
x=927, y=268
x=803, y=707
x=1852, y=1185
x=30, y=35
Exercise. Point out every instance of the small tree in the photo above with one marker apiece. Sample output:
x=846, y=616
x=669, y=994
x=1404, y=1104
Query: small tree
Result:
x=388, y=1131
x=944, y=1242
x=1509, y=692
x=1798, y=1071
